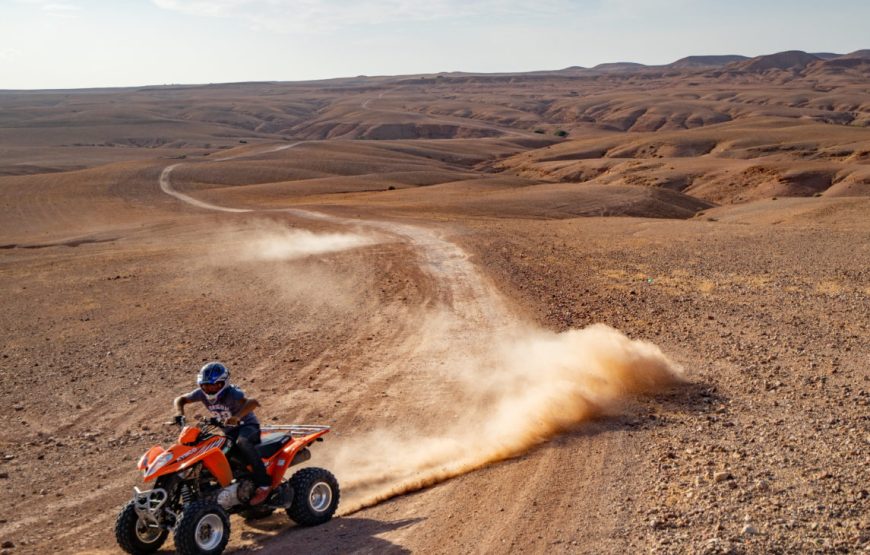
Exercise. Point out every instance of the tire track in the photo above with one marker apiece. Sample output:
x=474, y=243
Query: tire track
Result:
x=479, y=383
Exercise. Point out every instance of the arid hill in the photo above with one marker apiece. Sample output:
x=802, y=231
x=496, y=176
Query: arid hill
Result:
x=416, y=261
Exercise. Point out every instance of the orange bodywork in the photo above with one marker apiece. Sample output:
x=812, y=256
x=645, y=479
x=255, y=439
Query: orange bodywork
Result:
x=181, y=457
x=187, y=452
x=188, y=435
x=149, y=457
x=277, y=464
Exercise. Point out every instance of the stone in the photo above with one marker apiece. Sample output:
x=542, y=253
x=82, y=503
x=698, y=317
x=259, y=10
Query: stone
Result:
x=749, y=530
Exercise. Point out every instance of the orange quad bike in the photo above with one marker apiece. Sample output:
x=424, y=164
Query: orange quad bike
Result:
x=198, y=482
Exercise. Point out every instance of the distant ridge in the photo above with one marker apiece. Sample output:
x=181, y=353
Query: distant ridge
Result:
x=706, y=61
x=865, y=53
x=826, y=55
x=619, y=66
x=790, y=59
x=854, y=61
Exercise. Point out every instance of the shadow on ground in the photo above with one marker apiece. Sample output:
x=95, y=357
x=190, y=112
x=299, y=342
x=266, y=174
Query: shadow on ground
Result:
x=340, y=535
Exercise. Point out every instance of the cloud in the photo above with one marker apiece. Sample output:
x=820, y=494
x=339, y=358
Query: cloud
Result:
x=9, y=54
x=53, y=8
x=326, y=15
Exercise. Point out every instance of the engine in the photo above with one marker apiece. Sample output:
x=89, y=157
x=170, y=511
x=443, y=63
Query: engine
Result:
x=236, y=493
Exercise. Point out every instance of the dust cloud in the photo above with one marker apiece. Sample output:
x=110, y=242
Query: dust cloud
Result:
x=287, y=244
x=527, y=387
x=304, y=270
x=480, y=382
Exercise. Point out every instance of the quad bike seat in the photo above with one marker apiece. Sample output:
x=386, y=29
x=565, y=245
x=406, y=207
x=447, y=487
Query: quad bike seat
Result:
x=273, y=442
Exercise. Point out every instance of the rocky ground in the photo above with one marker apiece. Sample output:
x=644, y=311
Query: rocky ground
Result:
x=767, y=451
x=764, y=450
x=746, y=260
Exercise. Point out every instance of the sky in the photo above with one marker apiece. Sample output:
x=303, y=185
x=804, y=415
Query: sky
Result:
x=91, y=43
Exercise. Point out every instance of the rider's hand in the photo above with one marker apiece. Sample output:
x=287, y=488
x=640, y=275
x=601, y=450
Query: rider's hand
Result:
x=232, y=421
x=179, y=420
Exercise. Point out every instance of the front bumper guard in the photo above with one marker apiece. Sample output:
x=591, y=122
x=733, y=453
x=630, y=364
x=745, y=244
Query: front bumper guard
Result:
x=148, y=504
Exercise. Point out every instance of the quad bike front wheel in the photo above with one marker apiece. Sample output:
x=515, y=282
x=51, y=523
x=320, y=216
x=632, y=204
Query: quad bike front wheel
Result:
x=315, y=496
x=203, y=529
x=134, y=535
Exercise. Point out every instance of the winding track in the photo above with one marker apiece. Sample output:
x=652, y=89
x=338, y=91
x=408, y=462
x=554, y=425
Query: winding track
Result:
x=466, y=314
x=472, y=392
x=472, y=297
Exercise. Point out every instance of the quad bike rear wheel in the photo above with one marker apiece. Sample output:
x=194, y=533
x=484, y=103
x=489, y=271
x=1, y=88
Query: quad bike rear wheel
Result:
x=204, y=529
x=315, y=496
x=134, y=535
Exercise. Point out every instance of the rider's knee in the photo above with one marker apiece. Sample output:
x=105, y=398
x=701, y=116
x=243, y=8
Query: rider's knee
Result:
x=245, y=443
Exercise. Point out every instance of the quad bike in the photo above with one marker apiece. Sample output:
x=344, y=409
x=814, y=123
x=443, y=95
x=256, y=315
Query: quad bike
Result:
x=201, y=480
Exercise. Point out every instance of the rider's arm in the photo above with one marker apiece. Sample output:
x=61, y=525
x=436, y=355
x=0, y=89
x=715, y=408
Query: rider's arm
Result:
x=179, y=403
x=248, y=407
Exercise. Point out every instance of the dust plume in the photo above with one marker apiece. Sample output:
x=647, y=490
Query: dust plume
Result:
x=480, y=382
x=529, y=386
x=286, y=244
x=483, y=385
x=313, y=274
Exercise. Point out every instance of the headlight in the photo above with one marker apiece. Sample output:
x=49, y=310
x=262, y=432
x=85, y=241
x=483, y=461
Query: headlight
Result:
x=158, y=463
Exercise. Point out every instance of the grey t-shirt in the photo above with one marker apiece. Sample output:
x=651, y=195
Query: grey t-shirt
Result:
x=228, y=403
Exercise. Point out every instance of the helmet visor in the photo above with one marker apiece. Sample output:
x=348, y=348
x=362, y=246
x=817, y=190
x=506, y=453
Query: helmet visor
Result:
x=212, y=388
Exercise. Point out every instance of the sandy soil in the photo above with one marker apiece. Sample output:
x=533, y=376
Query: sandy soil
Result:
x=424, y=294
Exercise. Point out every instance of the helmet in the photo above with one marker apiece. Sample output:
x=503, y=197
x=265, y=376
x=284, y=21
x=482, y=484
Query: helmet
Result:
x=212, y=373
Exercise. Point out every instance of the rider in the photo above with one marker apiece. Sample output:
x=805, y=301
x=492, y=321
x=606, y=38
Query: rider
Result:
x=228, y=403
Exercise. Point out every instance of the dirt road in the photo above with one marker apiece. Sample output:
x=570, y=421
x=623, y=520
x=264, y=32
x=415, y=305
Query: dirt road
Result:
x=467, y=336
x=430, y=299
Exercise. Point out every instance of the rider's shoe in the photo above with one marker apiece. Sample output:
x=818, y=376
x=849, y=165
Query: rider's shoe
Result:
x=260, y=495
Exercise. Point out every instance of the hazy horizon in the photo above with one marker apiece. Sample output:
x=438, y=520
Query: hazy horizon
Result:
x=68, y=44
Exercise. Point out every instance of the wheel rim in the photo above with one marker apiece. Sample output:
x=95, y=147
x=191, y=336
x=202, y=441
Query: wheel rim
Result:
x=147, y=534
x=209, y=532
x=320, y=497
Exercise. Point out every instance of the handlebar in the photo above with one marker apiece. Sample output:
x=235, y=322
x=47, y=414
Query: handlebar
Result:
x=214, y=422
x=181, y=422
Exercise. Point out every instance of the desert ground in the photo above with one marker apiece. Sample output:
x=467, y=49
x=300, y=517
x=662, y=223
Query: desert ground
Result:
x=623, y=309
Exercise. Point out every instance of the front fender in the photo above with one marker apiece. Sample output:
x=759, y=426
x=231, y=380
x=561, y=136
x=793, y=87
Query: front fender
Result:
x=216, y=463
x=184, y=456
x=149, y=457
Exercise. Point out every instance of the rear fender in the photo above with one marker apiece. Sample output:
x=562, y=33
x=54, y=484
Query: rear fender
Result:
x=281, y=461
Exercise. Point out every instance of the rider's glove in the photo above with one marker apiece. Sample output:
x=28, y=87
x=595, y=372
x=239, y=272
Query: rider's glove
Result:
x=179, y=420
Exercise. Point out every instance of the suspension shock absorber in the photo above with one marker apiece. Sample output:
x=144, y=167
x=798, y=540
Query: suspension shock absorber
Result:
x=186, y=495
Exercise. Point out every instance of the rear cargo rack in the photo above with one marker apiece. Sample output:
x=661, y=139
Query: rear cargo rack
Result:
x=294, y=429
